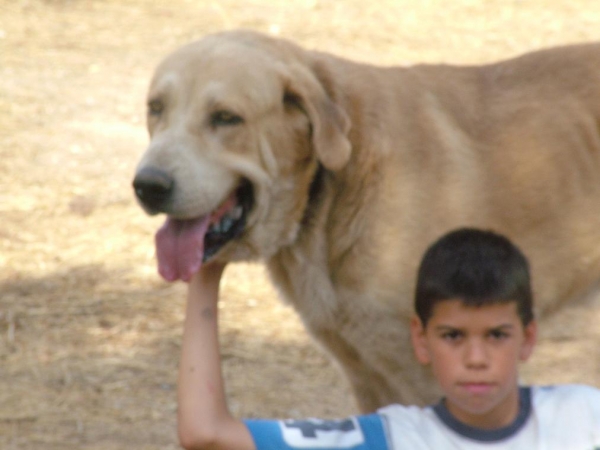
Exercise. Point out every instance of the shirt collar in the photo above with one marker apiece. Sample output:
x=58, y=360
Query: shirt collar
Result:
x=478, y=434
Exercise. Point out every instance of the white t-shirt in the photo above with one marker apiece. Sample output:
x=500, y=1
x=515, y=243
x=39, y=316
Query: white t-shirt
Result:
x=563, y=417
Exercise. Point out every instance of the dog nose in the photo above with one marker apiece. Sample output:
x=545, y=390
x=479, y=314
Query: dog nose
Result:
x=153, y=188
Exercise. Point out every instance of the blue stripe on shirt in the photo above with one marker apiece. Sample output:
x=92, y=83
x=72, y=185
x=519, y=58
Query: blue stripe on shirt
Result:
x=355, y=433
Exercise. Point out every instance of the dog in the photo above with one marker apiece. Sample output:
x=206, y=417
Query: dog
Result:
x=338, y=175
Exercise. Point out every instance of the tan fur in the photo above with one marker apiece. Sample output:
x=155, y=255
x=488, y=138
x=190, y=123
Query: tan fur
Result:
x=409, y=153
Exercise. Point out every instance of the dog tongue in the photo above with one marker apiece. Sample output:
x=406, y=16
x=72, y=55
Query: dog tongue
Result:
x=180, y=247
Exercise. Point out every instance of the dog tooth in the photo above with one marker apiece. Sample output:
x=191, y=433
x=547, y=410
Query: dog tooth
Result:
x=236, y=212
x=226, y=224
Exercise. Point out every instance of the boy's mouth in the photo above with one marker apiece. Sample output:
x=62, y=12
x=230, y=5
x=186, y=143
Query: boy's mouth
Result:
x=477, y=387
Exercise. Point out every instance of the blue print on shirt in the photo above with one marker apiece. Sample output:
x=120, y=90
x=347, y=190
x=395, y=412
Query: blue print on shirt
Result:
x=355, y=433
x=309, y=428
x=322, y=433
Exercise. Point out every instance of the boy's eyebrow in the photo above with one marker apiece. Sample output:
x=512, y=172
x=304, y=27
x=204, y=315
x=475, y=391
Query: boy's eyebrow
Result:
x=503, y=326
x=444, y=327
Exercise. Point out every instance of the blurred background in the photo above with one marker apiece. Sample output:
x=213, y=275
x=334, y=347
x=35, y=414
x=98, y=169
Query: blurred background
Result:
x=89, y=334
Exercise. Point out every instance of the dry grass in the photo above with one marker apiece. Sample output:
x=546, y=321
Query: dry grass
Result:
x=89, y=336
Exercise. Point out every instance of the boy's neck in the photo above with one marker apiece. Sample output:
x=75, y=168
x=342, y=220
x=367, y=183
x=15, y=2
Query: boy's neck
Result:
x=488, y=427
x=500, y=416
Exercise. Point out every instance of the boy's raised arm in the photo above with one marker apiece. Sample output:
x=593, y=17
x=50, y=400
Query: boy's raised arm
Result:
x=204, y=421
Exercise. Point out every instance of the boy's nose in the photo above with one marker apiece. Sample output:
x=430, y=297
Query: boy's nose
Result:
x=476, y=354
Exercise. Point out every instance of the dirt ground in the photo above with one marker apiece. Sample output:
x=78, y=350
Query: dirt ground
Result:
x=89, y=334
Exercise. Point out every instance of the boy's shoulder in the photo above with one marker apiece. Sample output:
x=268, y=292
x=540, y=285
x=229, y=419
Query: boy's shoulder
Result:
x=571, y=403
x=411, y=417
x=566, y=393
x=568, y=414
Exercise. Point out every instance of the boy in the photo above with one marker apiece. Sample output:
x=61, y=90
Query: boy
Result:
x=474, y=325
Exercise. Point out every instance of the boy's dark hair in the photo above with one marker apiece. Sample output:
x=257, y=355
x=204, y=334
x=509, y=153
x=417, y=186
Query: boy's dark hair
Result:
x=476, y=266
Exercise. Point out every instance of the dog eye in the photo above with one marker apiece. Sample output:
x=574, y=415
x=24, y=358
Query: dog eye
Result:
x=155, y=107
x=290, y=99
x=225, y=118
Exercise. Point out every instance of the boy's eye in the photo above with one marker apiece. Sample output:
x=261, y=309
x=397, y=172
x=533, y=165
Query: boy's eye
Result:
x=498, y=335
x=452, y=335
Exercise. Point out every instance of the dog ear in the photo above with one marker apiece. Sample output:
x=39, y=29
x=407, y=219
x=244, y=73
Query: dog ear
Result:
x=329, y=122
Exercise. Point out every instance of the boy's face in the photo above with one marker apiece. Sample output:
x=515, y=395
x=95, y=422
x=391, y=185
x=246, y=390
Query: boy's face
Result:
x=474, y=353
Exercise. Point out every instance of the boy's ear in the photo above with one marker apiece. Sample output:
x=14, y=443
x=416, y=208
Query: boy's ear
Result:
x=530, y=340
x=419, y=341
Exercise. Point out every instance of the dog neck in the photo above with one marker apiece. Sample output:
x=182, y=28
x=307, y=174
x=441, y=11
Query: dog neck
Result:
x=315, y=194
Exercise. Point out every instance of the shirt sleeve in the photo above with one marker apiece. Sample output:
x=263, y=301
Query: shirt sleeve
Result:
x=355, y=433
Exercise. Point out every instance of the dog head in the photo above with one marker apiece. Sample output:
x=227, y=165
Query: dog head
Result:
x=238, y=126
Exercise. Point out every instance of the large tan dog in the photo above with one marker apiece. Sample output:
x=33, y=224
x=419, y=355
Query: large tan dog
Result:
x=339, y=175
